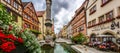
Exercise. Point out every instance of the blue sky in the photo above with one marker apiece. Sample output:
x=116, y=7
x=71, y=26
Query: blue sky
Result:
x=62, y=10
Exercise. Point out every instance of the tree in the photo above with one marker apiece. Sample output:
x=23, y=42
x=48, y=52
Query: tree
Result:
x=79, y=39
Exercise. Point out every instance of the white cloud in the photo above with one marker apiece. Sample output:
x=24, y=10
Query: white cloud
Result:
x=62, y=11
x=65, y=15
x=38, y=4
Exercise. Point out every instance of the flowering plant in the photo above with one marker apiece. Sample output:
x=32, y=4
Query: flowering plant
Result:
x=7, y=42
x=12, y=36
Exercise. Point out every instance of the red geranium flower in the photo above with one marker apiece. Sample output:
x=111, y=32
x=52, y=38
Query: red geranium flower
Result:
x=2, y=36
x=20, y=40
x=11, y=36
x=3, y=40
x=8, y=46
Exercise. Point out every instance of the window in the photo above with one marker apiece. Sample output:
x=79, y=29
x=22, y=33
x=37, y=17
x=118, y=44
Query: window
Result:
x=28, y=26
x=8, y=10
x=104, y=2
x=15, y=17
x=101, y=19
x=94, y=22
x=16, y=5
x=81, y=28
x=25, y=26
x=25, y=16
x=89, y=23
x=119, y=11
x=109, y=15
x=8, y=1
x=28, y=17
x=93, y=9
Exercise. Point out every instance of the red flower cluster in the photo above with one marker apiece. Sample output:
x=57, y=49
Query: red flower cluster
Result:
x=2, y=36
x=10, y=36
x=7, y=42
x=8, y=46
x=20, y=40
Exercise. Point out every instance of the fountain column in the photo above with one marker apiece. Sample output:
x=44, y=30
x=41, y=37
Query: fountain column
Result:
x=48, y=22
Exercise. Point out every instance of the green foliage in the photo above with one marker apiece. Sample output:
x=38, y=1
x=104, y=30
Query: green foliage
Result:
x=80, y=39
x=30, y=41
x=4, y=16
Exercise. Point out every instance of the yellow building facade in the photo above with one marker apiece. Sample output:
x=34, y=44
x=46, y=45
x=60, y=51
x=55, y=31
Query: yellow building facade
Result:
x=41, y=16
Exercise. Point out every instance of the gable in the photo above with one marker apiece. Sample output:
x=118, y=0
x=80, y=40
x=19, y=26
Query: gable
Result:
x=31, y=7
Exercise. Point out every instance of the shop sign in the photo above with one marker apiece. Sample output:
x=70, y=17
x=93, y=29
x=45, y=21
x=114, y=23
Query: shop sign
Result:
x=118, y=40
x=115, y=25
x=101, y=27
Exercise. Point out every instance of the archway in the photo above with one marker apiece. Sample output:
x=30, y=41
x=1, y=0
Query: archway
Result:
x=92, y=37
x=108, y=36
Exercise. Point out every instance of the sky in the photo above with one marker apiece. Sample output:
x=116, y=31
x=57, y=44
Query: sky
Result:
x=62, y=10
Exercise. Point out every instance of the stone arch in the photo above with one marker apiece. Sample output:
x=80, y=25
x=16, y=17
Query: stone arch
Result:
x=111, y=35
x=92, y=35
x=108, y=33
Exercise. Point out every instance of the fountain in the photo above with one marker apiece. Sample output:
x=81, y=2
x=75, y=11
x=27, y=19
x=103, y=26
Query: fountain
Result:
x=48, y=23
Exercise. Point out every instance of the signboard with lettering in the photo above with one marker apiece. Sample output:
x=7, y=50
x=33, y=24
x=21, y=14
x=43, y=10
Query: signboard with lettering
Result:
x=100, y=27
x=115, y=25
